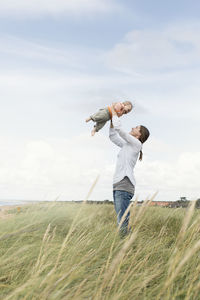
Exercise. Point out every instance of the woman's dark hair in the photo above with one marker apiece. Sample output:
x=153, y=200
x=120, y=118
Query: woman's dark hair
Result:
x=144, y=136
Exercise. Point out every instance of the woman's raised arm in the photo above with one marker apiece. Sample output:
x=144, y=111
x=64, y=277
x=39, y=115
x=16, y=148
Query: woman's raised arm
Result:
x=124, y=135
x=114, y=137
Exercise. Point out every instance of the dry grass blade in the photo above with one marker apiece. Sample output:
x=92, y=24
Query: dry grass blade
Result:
x=124, y=215
x=41, y=248
x=73, y=225
x=187, y=256
x=74, y=222
x=92, y=188
x=177, y=255
x=94, y=262
x=119, y=257
x=186, y=222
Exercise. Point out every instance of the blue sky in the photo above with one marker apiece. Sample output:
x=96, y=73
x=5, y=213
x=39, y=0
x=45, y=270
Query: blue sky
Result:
x=63, y=60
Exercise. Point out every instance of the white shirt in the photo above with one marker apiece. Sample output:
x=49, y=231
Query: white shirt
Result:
x=128, y=155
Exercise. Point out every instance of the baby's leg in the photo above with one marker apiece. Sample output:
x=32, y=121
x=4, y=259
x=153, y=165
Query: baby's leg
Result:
x=98, y=126
x=93, y=131
x=101, y=117
x=88, y=119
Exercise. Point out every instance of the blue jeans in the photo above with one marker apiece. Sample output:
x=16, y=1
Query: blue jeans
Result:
x=122, y=202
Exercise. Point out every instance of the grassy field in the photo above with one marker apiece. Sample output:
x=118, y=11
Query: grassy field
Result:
x=73, y=251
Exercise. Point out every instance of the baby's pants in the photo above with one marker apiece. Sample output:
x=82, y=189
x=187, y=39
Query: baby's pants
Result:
x=101, y=117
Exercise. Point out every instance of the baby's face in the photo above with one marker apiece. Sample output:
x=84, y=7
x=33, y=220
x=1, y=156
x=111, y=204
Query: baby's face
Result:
x=127, y=108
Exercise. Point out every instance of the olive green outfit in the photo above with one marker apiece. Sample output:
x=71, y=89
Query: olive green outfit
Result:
x=101, y=117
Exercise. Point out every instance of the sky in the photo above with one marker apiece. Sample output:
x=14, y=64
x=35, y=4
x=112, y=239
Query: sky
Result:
x=61, y=61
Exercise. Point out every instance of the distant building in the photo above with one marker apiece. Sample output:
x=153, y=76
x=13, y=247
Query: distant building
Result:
x=160, y=203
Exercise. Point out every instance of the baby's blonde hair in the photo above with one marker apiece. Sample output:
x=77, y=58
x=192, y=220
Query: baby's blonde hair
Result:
x=128, y=103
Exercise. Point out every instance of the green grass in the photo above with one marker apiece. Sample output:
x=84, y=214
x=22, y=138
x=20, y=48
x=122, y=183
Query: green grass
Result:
x=73, y=251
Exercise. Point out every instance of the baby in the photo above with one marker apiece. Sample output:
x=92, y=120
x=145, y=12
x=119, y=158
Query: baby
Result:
x=105, y=114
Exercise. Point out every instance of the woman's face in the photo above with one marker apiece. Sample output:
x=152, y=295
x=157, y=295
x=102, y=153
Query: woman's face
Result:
x=136, y=132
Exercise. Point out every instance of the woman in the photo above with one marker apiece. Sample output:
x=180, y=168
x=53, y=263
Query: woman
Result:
x=124, y=181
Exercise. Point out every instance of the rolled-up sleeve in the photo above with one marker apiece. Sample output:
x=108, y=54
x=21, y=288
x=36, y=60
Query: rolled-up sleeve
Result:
x=125, y=135
x=114, y=137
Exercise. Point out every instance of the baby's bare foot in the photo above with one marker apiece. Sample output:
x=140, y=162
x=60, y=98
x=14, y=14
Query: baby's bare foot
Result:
x=88, y=119
x=93, y=131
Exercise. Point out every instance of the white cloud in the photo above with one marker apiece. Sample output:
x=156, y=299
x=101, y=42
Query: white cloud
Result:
x=19, y=53
x=54, y=7
x=70, y=89
x=165, y=49
x=66, y=168
x=165, y=66
x=60, y=70
x=56, y=167
x=179, y=177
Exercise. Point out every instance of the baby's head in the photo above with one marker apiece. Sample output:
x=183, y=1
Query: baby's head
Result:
x=127, y=106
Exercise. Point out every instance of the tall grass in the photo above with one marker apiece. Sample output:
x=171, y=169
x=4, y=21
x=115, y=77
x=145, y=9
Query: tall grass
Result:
x=73, y=251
